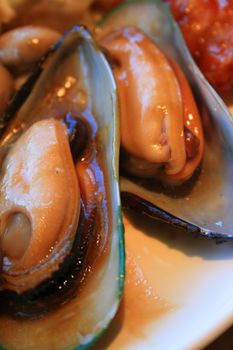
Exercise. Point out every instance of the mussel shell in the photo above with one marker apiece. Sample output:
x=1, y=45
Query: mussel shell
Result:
x=204, y=205
x=97, y=255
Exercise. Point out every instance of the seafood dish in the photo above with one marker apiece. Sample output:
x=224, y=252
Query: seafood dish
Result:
x=113, y=110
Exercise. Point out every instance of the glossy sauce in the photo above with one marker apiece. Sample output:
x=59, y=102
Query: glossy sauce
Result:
x=207, y=26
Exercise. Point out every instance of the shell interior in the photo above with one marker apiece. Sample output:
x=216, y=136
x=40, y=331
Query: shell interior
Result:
x=206, y=202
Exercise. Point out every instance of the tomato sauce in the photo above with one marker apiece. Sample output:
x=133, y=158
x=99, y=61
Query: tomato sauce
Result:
x=207, y=26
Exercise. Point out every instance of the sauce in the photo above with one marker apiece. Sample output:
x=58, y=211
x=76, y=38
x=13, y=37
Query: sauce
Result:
x=207, y=26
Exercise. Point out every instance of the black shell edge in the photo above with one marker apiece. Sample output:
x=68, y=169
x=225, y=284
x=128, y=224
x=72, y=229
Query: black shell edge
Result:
x=140, y=205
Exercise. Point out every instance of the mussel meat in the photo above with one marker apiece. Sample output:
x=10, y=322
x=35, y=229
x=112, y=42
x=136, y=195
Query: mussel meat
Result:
x=161, y=131
x=60, y=218
x=203, y=204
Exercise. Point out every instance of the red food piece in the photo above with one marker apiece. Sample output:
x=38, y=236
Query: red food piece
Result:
x=108, y=4
x=207, y=26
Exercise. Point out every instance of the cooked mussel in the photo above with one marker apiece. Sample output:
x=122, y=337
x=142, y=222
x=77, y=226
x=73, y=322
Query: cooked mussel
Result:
x=60, y=218
x=37, y=227
x=203, y=203
x=161, y=132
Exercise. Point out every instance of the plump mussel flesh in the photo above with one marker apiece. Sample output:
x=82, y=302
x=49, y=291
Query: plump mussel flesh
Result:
x=161, y=131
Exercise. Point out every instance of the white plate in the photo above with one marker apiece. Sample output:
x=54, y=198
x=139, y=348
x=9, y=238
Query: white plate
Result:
x=178, y=290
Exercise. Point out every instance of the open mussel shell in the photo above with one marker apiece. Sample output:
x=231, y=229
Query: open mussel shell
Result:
x=73, y=84
x=204, y=204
